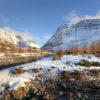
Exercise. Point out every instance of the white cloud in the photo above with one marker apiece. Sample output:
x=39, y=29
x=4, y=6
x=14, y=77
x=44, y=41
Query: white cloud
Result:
x=73, y=18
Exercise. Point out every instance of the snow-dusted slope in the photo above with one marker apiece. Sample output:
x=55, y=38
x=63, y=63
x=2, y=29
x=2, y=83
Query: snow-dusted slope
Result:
x=6, y=35
x=13, y=37
x=81, y=34
x=50, y=69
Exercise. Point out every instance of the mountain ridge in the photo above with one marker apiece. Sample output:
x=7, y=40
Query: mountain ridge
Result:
x=81, y=34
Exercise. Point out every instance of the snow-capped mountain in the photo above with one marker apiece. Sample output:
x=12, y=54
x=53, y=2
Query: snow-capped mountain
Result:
x=80, y=34
x=13, y=37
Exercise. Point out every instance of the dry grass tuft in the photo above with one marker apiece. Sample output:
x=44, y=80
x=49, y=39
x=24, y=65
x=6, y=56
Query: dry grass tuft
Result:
x=18, y=71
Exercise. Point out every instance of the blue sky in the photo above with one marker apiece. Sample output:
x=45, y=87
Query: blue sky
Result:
x=41, y=18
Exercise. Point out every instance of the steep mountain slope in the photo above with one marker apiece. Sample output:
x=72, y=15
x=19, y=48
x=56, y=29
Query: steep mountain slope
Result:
x=13, y=37
x=81, y=34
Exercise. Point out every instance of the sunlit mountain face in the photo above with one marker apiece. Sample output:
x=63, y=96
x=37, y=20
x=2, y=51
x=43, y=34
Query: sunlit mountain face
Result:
x=80, y=34
x=16, y=38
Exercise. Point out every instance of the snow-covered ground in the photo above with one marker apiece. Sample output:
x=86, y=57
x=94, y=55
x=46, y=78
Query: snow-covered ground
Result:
x=67, y=63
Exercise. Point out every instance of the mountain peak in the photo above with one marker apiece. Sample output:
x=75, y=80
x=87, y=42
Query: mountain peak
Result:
x=9, y=35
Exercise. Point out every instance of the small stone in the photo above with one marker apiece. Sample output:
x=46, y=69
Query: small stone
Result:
x=83, y=99
x=61, y=93
x=33, y=98
x=46, y=97
x=70, y=96
x=35, y=90
x=86, y=96
x=52, y=97
x=79, y=95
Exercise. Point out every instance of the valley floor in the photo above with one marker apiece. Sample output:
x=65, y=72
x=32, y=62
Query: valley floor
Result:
x=49, y=73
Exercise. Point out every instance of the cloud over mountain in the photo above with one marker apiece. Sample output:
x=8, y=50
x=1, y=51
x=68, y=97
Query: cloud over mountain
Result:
x=73, y=17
